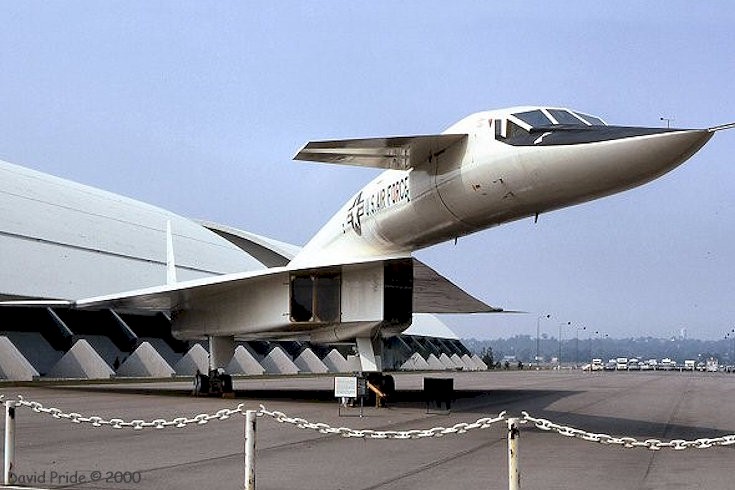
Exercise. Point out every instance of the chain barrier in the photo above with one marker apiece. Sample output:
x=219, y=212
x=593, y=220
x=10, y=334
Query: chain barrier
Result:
x=459, y=428
x=628, y=442
x=180, y=422
x=137, y=424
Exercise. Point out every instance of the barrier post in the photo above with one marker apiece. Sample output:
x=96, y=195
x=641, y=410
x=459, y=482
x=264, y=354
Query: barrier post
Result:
x=514, y=474
x=8, y=477
x=250, y=417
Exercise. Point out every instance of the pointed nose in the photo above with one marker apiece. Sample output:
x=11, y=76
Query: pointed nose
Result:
x=640, y=159
x=670, y=149
x=593, y=170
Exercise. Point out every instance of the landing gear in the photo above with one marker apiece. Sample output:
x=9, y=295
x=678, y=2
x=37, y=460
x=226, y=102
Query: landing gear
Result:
x=216, y=383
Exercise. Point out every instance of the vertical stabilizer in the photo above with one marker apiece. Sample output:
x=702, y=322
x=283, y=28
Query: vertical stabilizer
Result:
x=170, y=263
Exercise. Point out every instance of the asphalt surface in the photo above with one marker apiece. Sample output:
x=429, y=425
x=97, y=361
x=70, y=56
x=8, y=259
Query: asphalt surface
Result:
x=666, y=406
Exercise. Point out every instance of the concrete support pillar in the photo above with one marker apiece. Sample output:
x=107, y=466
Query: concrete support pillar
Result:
x=221, y=350
x=369, y=351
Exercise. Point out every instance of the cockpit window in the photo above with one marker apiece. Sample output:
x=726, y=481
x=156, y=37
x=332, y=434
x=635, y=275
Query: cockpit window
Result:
x=566, y=117
x=513, y=130
x=533, y=118
x=595, y=121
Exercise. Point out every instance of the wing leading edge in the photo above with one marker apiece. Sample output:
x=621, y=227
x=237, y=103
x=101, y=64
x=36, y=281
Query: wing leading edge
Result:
x=396, y=153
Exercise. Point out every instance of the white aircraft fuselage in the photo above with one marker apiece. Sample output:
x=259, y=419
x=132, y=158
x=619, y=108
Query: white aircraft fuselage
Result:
x=489, y=177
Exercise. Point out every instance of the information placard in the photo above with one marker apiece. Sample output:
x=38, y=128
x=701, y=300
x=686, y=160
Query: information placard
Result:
x=345, y=387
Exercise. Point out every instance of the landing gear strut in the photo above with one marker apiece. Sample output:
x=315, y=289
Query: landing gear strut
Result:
x=216, y=382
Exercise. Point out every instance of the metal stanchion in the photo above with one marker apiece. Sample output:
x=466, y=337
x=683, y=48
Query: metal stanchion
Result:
x=514, y=474
x=8, y=477
x=250, y=417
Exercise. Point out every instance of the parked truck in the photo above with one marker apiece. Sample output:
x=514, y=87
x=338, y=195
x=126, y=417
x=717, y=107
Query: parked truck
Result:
x=667, y=364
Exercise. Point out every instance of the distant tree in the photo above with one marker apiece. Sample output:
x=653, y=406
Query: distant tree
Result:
x=487, y=357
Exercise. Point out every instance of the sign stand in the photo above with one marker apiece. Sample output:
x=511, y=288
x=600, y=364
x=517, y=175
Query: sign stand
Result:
x=349, y=388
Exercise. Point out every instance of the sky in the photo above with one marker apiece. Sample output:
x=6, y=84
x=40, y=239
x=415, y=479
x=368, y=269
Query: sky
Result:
x=199, y=106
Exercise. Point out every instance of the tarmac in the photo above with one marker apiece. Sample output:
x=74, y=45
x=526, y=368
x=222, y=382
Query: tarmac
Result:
x=53, y=453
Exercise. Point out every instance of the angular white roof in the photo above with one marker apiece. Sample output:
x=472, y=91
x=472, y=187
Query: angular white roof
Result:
x=82, y=361
x=243, y=362
x=57, y=236
x=427, y=325
x=145, y=362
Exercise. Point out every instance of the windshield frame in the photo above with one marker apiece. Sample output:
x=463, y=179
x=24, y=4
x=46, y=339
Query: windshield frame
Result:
x=585, y=120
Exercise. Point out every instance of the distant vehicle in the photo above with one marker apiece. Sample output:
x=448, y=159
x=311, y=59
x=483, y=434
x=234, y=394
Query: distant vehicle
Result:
x=667, y=364
x=596, y=365
x=644, y=366
x=689, y=365
x=633, y=364
x=621, y=364
x=653, y=363
x=712, y=365
x=610, y=365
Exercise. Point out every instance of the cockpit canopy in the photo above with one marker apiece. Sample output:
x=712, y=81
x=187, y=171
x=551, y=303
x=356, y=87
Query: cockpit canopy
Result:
x=523, y=126
x=554, y=117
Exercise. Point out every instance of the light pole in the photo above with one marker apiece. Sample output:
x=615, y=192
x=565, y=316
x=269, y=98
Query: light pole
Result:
x=538, y=330
x=727, y=347
x=598, y=336
x=560, y=327
x=730, y=335
x=576, y=350
x=589, y=343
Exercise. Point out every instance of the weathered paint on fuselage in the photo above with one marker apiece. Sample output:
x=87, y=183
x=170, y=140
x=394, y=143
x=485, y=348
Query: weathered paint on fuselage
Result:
x=483, y=181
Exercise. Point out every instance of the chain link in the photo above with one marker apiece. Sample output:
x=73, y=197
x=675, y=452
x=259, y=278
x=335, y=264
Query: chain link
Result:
x=460, y=428
x=136, y=424
x=628, y=442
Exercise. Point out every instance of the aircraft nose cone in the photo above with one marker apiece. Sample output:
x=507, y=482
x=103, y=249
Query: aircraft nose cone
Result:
x=651, y=156
x=677, y=146
x=623, y=163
